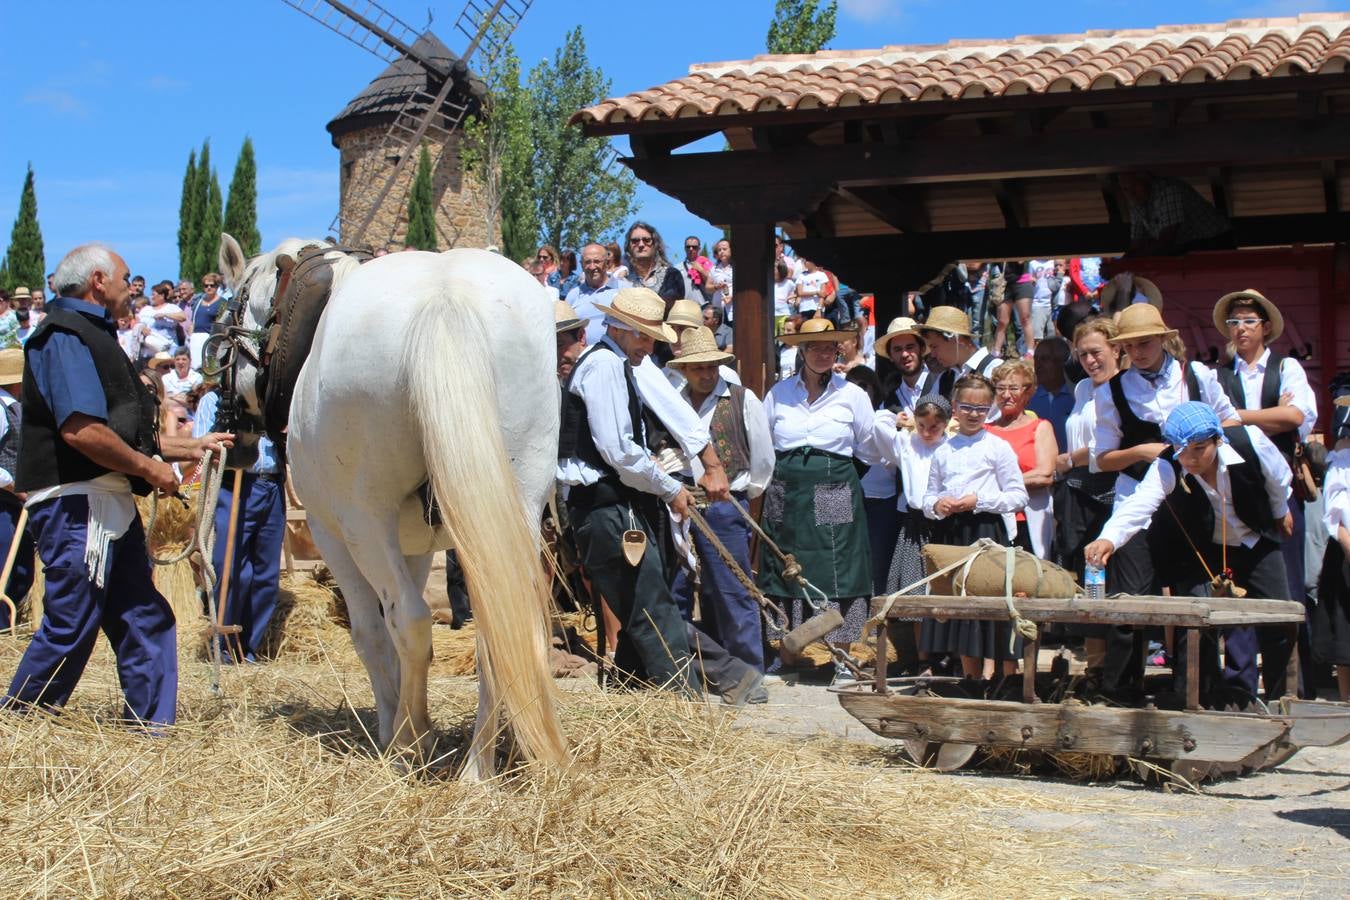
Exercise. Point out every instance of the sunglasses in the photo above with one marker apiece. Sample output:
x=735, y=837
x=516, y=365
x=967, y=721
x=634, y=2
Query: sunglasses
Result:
x=544, y=256
x=210, y=284
x=1252, y=322
x=972, y=410
x=692, y=246
x=641, y=240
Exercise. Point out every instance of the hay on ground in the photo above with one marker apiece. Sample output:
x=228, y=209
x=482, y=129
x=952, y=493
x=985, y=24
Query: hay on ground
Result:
x=276, y=789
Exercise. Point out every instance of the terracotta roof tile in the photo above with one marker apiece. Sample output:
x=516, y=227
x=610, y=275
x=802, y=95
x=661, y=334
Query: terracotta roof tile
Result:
x=1315, y=43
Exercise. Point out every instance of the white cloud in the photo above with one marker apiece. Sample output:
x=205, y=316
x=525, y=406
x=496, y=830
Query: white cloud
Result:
x=57, y=101
x=872, y=10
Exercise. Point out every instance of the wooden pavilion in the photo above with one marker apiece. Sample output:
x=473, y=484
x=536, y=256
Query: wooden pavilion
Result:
x=884, y=165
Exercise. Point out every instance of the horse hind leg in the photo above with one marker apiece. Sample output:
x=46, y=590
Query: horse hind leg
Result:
x=407, y=620
x=372, y=641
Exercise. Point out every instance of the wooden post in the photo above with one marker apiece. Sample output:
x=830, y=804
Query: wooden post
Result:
x=1192, y=668
x=1031, y=651
x=882, y=667
x=752, y=290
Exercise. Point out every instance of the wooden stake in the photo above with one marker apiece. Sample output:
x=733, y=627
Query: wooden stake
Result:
x=227, y=564
x=9, y=568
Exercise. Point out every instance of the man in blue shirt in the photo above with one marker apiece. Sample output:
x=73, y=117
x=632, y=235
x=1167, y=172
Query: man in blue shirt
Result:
x=255, y=573
x=595, y=288
x=89, y=442
x=1053, y=399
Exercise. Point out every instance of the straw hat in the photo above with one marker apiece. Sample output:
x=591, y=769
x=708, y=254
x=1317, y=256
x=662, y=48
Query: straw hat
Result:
x=685, y=312
x=20, y=293
x=11, y=366
x=565, y=317
x=949, y=320
x=1139, y=321
x=1111, y=303
x=698, y=345
x=900, y=325
x=815, y=330
x=1250, y=295
x=161, y=360
x=1343, y=400
x=641, y=308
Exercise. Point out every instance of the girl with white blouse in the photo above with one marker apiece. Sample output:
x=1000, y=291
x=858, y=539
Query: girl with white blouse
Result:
x=1329, y=619
x=973, y=482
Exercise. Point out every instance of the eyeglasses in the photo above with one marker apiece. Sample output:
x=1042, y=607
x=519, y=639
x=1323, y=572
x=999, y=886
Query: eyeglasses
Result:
x=692, y=246
x=1252, y=322
x=1011, y=388
x=972, y=410
x=210, y=284
x=544, y=256
x=641, y=240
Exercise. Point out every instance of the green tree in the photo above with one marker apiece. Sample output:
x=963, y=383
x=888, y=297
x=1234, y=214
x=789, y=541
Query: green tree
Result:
x=207, y=218
x=577, y=195
x=187, y=217
x=496, y=150
x=422, y=207
x=800, y=26
x=23, y=263
x=241, y=209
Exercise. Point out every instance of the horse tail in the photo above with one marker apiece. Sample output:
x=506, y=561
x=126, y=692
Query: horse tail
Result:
x=449, y=378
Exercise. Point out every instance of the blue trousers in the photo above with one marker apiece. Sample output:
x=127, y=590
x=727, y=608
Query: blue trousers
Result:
x=256, y=569
x=21, y=578
x=730, y=614
x=883, y=530
x=130, y=611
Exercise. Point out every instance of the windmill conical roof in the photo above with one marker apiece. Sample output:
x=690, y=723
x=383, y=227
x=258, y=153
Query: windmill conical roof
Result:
x=384, y=96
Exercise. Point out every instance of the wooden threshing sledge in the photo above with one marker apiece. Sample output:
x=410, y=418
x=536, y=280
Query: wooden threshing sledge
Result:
x=943, y=724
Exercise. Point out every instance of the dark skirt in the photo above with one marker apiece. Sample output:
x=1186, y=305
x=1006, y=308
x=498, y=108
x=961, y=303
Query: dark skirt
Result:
x=981, y=639
x=813, y=510
x=907, y=566
x=1082, y=506
x=1329, y=619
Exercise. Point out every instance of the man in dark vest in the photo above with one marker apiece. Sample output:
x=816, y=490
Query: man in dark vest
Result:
x=1230, y=515
x=1270, y=391
x=616, y=489
x=739, y=430
x=89, y=442
x=11, y=503
x=951, y=345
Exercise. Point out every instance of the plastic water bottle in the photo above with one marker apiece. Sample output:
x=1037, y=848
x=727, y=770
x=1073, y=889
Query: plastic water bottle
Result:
x=1094, y=582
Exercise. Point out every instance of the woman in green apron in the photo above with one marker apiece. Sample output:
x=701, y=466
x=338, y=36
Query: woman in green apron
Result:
x=821, y=425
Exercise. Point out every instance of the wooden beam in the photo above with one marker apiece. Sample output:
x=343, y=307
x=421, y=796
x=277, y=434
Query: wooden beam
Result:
x=1221, y=191
x=1331, y=186
x=1008, y=195
x=1003, y=157
x=752, y=288
x=902, y=210
x=1111, y=199
x=651, y=146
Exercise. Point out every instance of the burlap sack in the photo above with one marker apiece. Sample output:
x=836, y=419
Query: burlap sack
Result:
x=985, y=576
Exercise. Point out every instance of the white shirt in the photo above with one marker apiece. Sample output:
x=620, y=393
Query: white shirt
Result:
x=905, y=449
x=982, y=464
x=1336, y=492
x=760, y=473
x=909, y=396
x=840, y=421
x=175, y=385
x=1293, y=380
x=672, y=409
x=599, y=381
x=787, y=362
x=1152, y=403
x=720, y=280
x=1082, y=420
x=782, y=294
x=1133, y=515
x=814, y=282
x=583, y=299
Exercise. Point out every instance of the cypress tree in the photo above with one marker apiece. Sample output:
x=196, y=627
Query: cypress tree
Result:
x=206, y=218
x=422, y=207
x=213, y=219
x=23, y=263
x=241, y=210
x=187, y=217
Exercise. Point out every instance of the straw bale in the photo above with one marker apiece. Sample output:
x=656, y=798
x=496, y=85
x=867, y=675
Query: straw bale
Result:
x=275, y=789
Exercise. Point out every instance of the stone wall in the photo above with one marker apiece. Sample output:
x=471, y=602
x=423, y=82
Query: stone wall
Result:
x=460, y=220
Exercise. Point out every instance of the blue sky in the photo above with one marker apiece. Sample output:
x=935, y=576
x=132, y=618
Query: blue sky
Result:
x=107, y=99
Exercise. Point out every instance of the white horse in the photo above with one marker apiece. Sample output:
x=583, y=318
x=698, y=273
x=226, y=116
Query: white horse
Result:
x=440, y=367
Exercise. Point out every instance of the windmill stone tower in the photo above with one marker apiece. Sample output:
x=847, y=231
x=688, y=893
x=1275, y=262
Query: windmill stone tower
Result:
x=404, y=92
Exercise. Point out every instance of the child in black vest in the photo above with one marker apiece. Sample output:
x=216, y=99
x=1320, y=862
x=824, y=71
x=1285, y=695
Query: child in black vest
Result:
x=1229, y=517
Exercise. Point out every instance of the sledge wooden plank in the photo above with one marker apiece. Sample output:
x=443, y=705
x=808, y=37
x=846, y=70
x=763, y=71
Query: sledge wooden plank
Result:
x=1160, y=734
x=1317, y=724
x=1182, y=612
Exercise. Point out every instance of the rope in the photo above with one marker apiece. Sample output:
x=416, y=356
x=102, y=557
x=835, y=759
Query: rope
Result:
x=792, y=570
x=202, y=545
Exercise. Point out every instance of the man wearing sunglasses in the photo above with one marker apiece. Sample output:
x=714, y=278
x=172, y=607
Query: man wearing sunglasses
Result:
x=698, y=269
x=1271, y=392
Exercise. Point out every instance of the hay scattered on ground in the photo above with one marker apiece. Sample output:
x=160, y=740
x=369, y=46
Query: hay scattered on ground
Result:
x=277, y=789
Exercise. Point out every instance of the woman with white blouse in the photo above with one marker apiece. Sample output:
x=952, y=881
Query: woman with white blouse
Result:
x=813, y=509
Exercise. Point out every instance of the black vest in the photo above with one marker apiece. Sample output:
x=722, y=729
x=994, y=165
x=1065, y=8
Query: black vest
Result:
x=1270, y=396
x=947, y=380
x=45, y=459
x=9, y=444
x=1191, y=510
x=1134, y=430
x=574, y=434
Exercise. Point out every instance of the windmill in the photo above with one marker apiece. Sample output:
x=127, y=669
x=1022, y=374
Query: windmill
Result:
x=422, y=98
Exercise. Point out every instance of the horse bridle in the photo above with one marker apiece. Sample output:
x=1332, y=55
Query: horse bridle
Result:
x=230, y=344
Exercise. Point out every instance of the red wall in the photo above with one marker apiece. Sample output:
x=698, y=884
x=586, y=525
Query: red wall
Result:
x=1311, y=286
